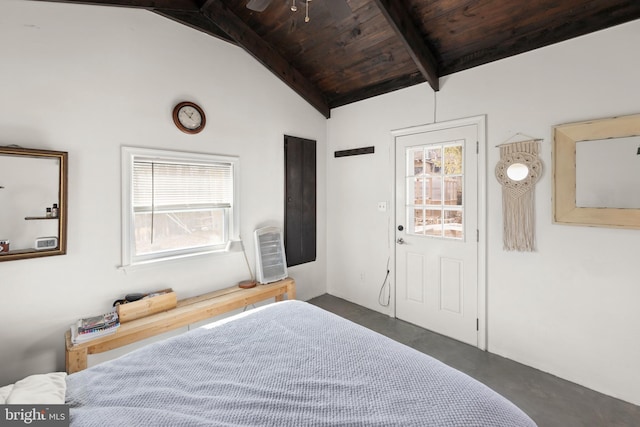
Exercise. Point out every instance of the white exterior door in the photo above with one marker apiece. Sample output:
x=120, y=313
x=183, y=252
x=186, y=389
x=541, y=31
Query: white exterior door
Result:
x=437, y=230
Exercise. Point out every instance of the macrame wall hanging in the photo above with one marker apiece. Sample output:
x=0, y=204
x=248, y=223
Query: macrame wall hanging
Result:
x=518, y=171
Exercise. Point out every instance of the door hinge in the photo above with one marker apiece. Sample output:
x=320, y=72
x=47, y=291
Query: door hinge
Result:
x=477, y=147
x=477, y=235
x=477, y=324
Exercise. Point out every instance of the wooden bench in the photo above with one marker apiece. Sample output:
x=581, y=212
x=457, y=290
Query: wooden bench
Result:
x=187, y=311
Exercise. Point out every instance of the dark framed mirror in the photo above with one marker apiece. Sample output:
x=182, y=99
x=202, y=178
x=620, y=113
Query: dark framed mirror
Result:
x=33, y=203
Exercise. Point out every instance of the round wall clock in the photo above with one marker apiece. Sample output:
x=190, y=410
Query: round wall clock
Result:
x=189, y=117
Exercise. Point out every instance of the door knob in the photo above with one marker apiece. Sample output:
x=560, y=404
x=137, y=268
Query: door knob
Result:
x=400, y=241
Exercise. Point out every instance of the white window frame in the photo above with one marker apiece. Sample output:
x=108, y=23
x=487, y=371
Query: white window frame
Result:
x=131, y=154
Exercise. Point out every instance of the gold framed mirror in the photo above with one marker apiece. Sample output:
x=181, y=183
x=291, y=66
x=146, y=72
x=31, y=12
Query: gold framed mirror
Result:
x=33, y=203
x=577, y=181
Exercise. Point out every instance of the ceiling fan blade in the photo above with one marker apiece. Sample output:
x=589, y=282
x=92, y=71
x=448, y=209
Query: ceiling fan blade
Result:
x=339, y=9
x=258, y=5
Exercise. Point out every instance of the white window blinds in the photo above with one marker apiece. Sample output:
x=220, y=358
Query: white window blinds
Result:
x=164, y=185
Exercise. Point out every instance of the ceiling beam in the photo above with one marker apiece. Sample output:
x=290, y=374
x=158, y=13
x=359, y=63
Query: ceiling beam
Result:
x=266, y=54
x=182, y=5
x=400, y=20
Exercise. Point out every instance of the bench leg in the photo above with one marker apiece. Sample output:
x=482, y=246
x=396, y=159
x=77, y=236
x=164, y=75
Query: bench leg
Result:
x=75, y=360
x=291, y=290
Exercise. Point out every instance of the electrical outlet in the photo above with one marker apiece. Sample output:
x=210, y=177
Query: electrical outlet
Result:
x=382, y=206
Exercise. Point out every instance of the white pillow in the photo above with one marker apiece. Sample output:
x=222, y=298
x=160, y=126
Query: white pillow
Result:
x=4, y=393
x=36, y=390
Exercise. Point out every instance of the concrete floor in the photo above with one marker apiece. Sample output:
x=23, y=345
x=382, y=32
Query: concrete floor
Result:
x=548, y=400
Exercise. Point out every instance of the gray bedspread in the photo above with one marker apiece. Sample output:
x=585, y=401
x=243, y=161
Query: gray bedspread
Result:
x=288, y=364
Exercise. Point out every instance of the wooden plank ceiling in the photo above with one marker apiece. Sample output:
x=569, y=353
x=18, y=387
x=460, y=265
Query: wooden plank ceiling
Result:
x=350, y=50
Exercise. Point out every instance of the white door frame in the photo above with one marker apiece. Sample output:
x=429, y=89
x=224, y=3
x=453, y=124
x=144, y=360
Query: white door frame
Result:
x=480, y=122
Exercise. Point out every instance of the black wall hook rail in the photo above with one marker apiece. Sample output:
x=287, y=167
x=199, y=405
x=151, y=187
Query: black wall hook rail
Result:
x=354, y=152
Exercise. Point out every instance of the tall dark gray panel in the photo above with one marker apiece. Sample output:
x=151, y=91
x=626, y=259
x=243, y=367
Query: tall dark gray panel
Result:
x=300, y=200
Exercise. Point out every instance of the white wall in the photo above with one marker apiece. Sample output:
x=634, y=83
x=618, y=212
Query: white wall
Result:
x=571, y=307
x=88, y=80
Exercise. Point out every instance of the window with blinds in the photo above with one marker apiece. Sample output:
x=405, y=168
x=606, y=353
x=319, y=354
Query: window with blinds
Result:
x=177, y=204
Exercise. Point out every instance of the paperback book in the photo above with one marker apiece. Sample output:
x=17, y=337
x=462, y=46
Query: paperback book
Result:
x=94, y=327
x=97, y=323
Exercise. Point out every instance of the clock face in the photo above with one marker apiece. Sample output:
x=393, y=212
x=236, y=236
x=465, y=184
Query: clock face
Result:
x=188, y=117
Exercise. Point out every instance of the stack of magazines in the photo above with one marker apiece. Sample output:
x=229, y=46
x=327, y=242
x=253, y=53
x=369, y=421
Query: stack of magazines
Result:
x=94, y=327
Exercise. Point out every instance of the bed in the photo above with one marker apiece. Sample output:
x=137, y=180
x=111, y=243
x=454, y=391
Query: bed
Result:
x=286, y=364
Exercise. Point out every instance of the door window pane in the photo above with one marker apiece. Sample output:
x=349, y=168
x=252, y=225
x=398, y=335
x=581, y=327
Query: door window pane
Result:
x=417, y=221
x=453, y=160
x=433, y=223
x=433, y=160
x=453, y=191
x=433, y=190
x=453, y=224
x=418, y=187
x=417, y=161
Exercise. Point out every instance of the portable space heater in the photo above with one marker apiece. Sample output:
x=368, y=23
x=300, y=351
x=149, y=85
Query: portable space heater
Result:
x=270, y=257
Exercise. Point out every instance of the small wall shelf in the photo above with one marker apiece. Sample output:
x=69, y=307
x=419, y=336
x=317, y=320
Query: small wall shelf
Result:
x=18, y=251
x=35, y=218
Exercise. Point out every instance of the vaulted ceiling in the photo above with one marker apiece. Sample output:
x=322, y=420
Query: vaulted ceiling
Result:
x=350, y=50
